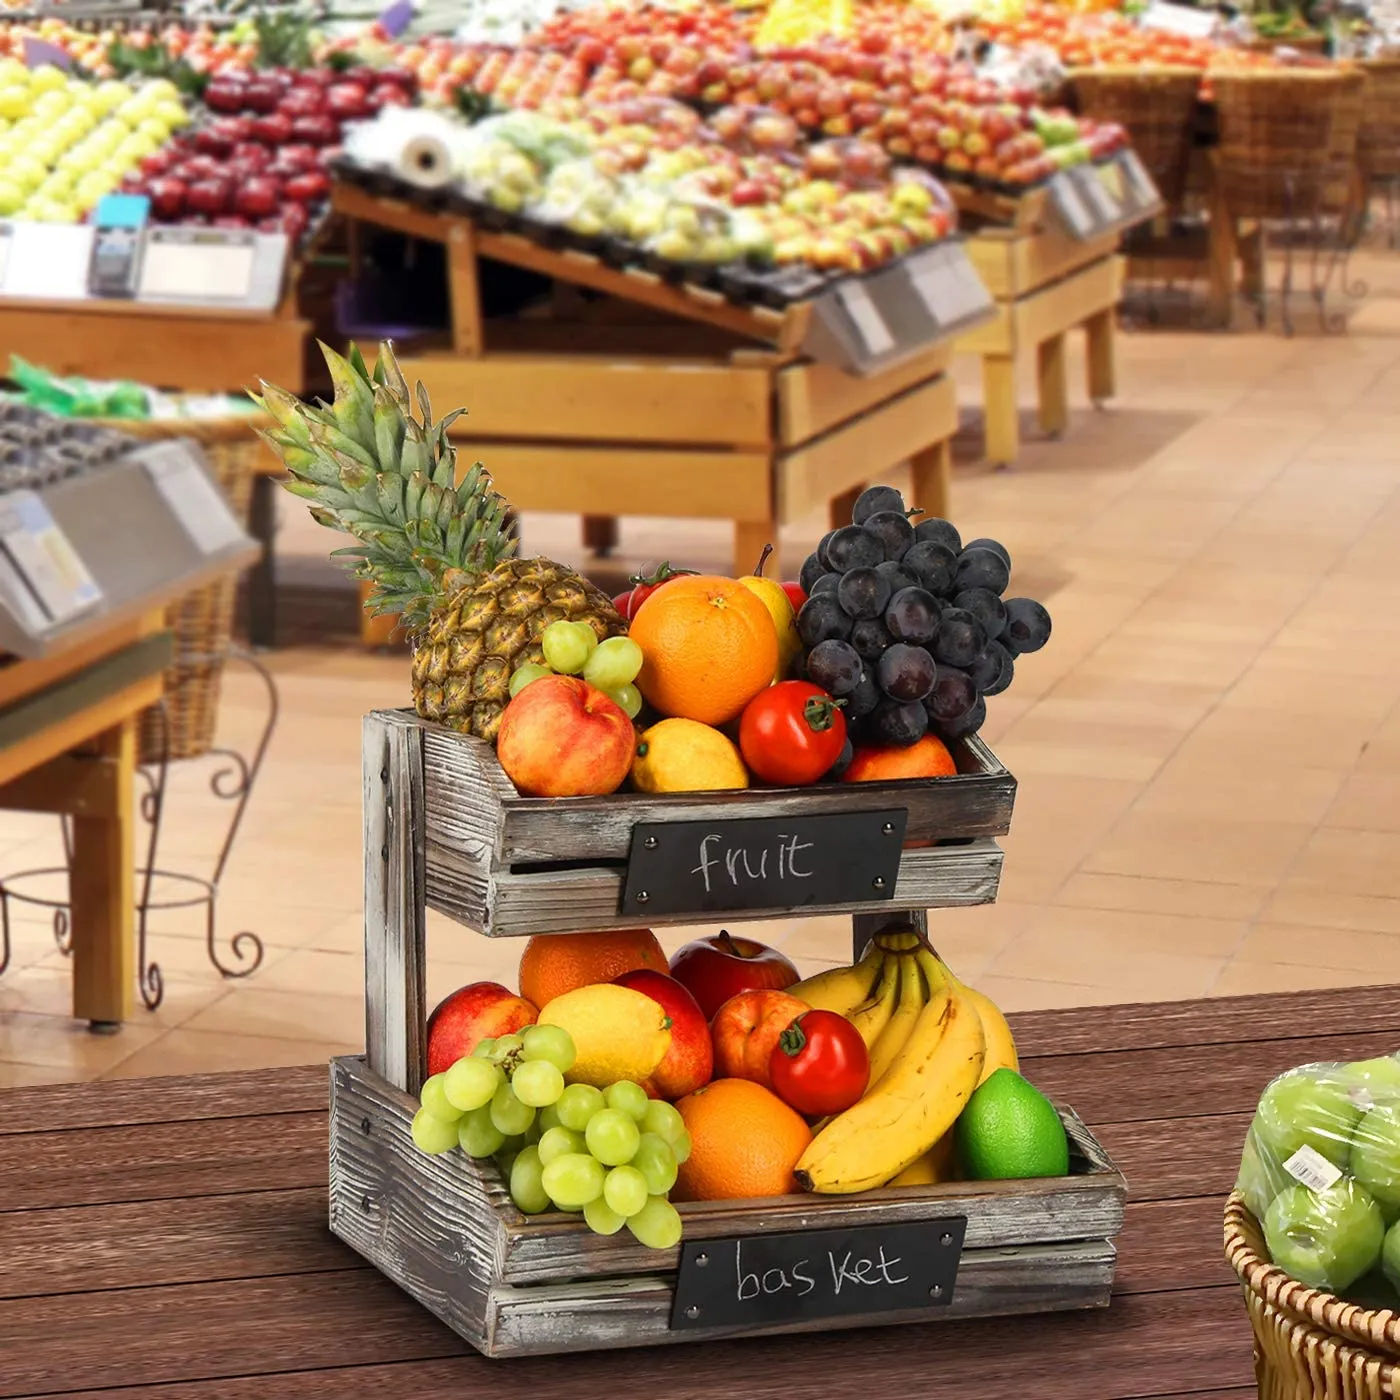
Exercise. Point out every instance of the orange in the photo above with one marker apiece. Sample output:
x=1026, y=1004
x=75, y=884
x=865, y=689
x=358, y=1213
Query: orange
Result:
x=745, y=1142
x=929, y=758
x=709, y=645
x=555, y=963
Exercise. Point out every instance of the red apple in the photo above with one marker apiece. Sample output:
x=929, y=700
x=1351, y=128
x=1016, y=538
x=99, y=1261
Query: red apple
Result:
x=316, y=130
x=294, y=221
x=168, y=197
x=275, y=129
x=302, y=102
x=211, y=142
x=262, y=95
x=233, y=129
x=348, y=101
x=481, y=1011
x=308, y=188
x=258, y=197
x=715, y=969
x=690, y=1062
x=226, y=94
x=230, y=221
x=560, y=737
x=209, y=197
x=388, y=95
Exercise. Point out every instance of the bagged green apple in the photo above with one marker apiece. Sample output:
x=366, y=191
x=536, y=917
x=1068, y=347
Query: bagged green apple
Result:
x=1320, y=1171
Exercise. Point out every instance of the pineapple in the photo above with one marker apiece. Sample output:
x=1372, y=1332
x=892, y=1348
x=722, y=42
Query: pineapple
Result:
x=436, y=552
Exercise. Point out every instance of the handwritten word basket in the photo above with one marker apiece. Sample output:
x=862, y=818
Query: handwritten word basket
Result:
x=444, y=828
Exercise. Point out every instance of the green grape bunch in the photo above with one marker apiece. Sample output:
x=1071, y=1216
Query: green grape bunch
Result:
x=610, y=1154
x=573, y=649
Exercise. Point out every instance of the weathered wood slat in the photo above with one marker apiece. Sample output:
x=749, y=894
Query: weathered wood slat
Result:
x=186, y=1098
x=1280, y=1017
x=395, y=938
x=161, y=1161
x=619, y=1313
x=549, y=901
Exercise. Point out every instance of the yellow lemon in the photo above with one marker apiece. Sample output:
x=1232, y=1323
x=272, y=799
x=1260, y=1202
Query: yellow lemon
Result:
x=683, y=755
x=618, y=1033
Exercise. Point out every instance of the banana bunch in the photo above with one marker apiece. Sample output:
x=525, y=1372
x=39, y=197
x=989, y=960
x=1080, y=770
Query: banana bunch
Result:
x=932, y=1041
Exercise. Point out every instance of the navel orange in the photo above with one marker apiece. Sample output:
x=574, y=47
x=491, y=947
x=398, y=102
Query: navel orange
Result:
x=709, y=645
x=745, y=1142
x=555, y=963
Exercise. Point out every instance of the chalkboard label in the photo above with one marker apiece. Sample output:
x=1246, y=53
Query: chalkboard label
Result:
x=763, y=1280
x=763, y=863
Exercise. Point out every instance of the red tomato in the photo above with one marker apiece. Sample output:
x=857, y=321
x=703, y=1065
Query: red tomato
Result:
x=792, y=733
x=820, y=1064
x=795, y=595
x=643, y=586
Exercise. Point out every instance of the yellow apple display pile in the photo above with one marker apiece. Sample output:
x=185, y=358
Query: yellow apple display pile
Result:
x=1321, y=1173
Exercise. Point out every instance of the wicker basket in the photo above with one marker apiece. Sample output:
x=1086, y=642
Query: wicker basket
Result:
x=1378, y=146
x=1282, y=135
x=1157, y=107
x=202, y=621
x=1308, y=1343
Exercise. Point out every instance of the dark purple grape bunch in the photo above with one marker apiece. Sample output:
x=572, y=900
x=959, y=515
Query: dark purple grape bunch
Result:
x=908, y=624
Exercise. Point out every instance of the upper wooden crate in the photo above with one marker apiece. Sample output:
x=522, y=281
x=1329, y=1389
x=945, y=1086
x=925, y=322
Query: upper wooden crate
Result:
x=513, y=866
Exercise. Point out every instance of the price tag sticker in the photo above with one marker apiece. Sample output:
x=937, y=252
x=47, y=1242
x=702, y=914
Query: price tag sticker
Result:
x=1076, y=216
x=871, y=330
x=1308, y=1166
x=177, y=468
x=45, y=558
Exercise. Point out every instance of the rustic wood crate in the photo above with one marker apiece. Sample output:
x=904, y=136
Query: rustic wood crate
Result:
x=445, y=1230
x=445, y=828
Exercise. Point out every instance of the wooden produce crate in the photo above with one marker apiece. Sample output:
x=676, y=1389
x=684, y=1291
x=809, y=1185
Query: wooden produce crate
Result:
x=661, y=399
x=444, y=828
x=1045, y=284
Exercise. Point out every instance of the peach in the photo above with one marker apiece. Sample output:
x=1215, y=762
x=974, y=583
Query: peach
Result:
x=480, y=1011
x=746, y=1030
x=562, y=738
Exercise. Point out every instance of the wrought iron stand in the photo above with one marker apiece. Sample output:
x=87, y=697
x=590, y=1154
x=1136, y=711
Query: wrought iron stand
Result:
x=232, y=781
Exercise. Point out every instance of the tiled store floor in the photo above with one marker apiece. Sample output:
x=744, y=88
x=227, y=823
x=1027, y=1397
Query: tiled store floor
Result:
x=1208, y=750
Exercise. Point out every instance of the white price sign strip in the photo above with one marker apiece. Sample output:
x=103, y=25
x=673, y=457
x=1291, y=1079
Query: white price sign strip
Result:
x=177, y=468
x=865, y=315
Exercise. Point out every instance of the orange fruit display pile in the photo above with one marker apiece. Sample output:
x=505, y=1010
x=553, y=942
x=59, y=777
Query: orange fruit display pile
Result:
x=745, y=1143
x=553, y=964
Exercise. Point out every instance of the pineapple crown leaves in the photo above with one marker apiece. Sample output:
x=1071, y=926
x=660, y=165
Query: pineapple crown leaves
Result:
x=367, y=466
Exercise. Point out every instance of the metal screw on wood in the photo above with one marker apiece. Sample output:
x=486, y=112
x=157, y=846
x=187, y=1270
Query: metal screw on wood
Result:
x=383, y=775
x=650, y=843
x=692, y=1312
x=888, y=828
x=936, y=1291
x=366, y=1204
x=642, y=896
x=878, y=882
x=945, y=1241
x=364, y=1126
x=701, y=1260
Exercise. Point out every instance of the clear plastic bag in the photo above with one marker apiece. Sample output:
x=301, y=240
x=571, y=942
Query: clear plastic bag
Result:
x=1321, y=1172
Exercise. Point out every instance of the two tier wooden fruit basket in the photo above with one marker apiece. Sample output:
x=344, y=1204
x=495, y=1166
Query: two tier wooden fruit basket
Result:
x=445, y=828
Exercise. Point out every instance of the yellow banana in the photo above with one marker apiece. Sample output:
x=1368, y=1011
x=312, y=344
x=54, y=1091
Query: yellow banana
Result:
x=937, y=1164
x=873, y=1015
x=1001, y=1048
x=918, y=1100
x=913, y=997
x=842, y=989
x=898, y=941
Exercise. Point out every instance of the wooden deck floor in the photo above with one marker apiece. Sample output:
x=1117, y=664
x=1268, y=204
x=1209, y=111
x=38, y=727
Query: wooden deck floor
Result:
x=167, y=1238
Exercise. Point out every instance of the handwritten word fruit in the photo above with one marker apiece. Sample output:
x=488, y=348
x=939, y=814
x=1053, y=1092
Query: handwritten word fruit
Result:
x=709, y=645
x=1010, y=1130
x=684, y=755
x=746, y=1031
x=555, y=963
x=820, y=1064
x=480, y=1011
x=690, y=1060
x=745, y=1143
x=792, y=733
x=561, y=737
x=618, y=1033
x=716, y=968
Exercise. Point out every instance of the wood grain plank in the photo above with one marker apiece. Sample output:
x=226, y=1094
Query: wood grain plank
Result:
x=1280, y=1016
x=395, y=936
x=1169, y=1160
x=249, y=1235
x=163, y=1161
x=117, y=1103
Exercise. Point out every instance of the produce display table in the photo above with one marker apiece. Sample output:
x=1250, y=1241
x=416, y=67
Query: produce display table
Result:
x=68, y=745
x=170, y=1235
x=663, y=400
x=195, y=349
x=1045, y=284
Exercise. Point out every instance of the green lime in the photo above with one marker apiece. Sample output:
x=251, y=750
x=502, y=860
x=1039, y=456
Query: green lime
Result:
x=1010, y=1130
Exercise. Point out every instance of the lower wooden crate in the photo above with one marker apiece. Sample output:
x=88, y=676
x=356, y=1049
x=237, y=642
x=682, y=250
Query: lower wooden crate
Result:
x=445, y=1230
x=1045, y=284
